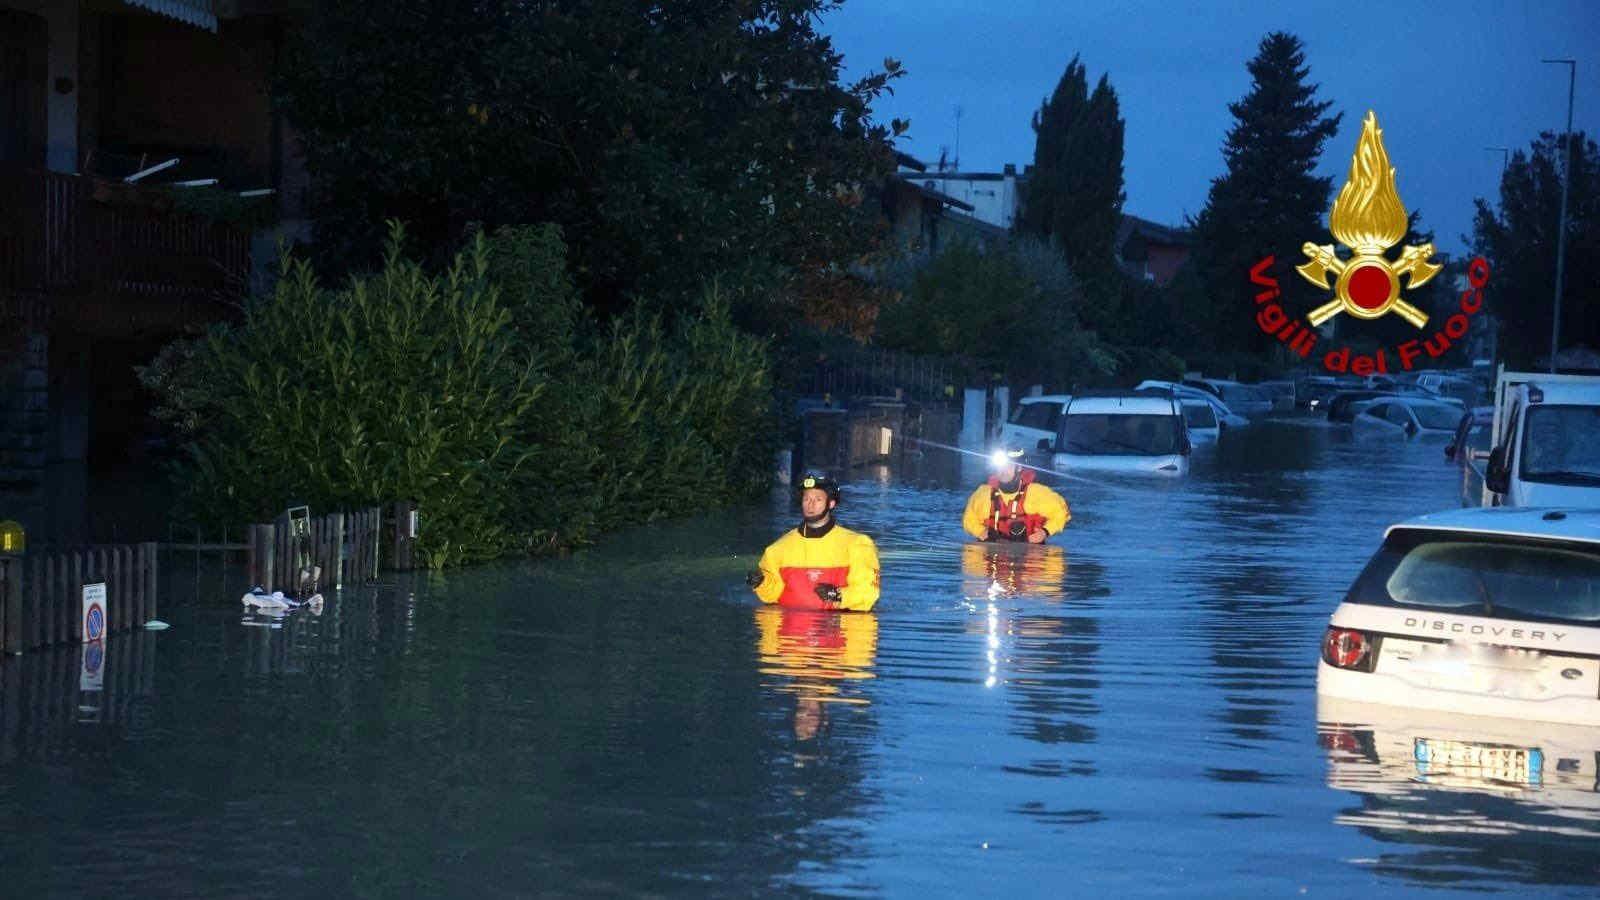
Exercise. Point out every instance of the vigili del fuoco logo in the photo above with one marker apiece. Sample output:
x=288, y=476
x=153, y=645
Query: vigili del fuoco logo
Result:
x=1369, y=219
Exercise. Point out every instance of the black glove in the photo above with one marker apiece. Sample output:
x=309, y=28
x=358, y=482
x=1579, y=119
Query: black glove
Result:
x=754, y=578
x=828, y=592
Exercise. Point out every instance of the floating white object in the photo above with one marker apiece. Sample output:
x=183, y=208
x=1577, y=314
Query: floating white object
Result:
x=156, y=625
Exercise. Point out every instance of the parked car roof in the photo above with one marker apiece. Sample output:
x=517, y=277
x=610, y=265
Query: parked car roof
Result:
x=1561, y=524
x=1046, y=398
x=1125, y=404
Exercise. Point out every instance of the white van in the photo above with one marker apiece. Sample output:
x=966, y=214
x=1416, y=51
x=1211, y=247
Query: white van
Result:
x=1124, y=432
x=1034, y=422
x=1547, y=443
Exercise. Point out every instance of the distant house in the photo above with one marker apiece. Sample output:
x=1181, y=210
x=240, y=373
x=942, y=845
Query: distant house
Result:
x=1149, y=250
x=923, y=219
x=993, y=196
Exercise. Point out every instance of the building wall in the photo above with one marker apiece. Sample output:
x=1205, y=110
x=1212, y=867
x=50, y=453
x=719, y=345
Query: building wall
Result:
x=993, y=196
x=172, y=87
x=1164, y=261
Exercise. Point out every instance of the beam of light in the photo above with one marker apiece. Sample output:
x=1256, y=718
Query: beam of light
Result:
x=999, y=456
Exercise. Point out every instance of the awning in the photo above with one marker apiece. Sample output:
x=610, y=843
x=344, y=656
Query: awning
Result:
x=199, y=13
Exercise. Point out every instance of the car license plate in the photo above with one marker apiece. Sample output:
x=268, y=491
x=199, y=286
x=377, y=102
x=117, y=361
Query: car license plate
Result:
x=1491, y=762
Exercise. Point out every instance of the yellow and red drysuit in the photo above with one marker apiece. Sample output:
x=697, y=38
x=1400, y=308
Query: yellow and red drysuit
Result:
x=800, y=560
x=991, y=510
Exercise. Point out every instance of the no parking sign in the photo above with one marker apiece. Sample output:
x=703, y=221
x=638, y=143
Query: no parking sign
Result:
x=95, y=624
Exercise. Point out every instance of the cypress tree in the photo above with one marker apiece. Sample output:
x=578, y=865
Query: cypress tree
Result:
x=1270, y=201
x=1074, y=195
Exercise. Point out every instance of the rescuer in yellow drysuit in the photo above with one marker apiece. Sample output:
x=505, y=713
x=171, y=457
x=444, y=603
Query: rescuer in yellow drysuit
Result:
x=821, y=564
x=1011, y=506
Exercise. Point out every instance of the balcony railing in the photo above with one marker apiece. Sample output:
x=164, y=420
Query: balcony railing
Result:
x=79, y=234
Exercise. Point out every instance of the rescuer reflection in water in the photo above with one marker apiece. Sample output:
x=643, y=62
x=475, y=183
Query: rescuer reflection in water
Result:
x=1011, y=506
x=821, y=564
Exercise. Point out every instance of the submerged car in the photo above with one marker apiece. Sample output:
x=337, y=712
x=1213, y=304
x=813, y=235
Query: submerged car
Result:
x=1124, y=432
x=1407, y=417
x=1247, y=400
x=1485, y=611
x=1226, y=418
x=1340, y=405
x=1035, y=421
x=1200, y=418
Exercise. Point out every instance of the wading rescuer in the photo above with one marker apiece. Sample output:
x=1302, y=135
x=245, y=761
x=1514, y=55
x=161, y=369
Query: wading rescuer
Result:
x=1011, y=506
x=821, y=564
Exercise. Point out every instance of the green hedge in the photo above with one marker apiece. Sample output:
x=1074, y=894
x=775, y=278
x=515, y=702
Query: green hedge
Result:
x=484, y=392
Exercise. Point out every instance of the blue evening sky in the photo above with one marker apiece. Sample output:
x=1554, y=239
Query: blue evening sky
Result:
x=1446, y=80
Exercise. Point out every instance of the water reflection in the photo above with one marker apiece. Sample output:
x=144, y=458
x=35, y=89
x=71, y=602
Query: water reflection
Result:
x=1483, y=800
x=818, y=657
x=67, y=701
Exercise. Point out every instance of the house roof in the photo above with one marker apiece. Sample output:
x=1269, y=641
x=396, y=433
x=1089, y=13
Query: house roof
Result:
x=932, y=194
x=1151, y=232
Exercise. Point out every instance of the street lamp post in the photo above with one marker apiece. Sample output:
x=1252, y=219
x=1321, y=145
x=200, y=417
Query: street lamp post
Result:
x=1561, y=234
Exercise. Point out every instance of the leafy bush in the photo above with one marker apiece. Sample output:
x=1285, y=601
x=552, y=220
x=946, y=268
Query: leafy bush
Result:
x=485, y=394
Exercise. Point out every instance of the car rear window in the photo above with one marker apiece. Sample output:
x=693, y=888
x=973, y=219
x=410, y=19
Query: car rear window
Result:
x=1484, y=575
x=1198, y=415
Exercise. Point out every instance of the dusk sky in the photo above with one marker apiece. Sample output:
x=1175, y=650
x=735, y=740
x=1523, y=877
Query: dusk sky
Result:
x=1446, y=80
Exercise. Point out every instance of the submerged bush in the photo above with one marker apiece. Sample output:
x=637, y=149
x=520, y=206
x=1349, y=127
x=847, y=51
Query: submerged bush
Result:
x=485, y=394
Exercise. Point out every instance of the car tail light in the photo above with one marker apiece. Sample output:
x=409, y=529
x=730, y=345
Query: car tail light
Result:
x=1346, y=648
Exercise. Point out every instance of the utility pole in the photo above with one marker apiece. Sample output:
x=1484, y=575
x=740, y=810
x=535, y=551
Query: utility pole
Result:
x=957, y=165
x=1561, y=234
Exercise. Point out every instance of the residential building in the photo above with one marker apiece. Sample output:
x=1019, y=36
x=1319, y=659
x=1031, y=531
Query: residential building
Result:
x=106, y=108
x=992, y=196
x=1149, y=250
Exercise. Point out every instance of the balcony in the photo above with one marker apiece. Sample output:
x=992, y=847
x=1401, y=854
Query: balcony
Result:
x=106, y=242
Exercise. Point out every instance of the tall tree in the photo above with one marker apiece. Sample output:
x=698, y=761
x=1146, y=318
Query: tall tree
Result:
x=1519, y=240
x=669, y=141
x=1269, y=201
x=1074, y=195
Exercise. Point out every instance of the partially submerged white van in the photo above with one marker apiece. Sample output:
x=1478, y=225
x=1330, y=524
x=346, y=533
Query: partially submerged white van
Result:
x=1124, y=432
x=1547, y=443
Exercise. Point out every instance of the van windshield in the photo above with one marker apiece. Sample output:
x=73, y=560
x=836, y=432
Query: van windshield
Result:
x=1483, y=575
x=1119, y=434
x=1561, y=445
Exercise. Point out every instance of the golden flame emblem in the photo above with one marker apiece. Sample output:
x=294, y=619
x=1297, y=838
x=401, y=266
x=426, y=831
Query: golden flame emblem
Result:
x=1369, y=218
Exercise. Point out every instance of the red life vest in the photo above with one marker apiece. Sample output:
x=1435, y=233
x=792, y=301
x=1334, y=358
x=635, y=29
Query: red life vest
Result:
x=800, y=585
x=1001, y=513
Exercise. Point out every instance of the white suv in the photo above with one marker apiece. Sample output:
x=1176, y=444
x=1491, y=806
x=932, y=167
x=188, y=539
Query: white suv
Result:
x=1034, y=420
x=1493, y=612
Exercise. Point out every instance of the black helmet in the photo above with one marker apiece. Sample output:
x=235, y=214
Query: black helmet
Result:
x=819, y=482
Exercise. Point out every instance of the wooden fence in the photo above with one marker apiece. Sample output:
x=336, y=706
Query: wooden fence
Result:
x=347, y=546
x=41, y=592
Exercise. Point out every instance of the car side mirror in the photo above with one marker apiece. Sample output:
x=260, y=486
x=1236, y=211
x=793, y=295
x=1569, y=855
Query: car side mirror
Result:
x=1495, y=476
x=1044, y=444
x=1411, y=428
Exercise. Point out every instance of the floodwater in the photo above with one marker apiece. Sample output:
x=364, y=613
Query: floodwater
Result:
x=1130, y=711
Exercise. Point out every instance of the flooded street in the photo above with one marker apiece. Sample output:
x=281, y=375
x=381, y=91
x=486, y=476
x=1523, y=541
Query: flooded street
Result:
x=1128, y=711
